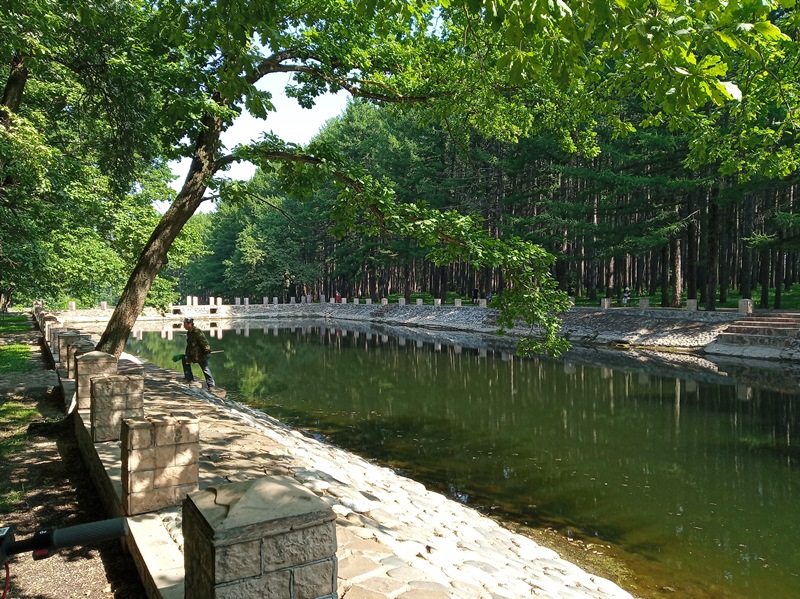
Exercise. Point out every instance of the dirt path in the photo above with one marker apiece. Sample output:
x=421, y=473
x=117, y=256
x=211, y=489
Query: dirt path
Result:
x=45, y=484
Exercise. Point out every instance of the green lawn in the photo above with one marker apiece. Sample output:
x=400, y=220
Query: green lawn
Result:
x=15, y=358
x=14, y=323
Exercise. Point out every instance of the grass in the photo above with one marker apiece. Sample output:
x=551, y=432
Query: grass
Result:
x=15, y=358
x=14, y=323
x=9, y=501
x=14, y=420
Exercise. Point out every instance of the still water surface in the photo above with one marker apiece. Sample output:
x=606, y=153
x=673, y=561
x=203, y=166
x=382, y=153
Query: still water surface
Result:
x=697, y=481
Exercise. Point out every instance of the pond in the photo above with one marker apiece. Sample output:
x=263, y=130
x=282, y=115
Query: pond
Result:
x=692, y=476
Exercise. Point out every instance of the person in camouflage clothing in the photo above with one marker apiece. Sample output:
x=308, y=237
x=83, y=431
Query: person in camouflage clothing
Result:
x=197, y=352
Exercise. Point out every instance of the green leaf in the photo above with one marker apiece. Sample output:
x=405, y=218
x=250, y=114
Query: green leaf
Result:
x=770, y=32
x=730, y=41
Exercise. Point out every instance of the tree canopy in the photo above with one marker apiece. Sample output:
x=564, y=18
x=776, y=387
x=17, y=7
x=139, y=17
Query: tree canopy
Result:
x=143, y=82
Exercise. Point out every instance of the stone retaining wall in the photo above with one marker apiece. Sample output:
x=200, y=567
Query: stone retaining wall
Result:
x=659, y=327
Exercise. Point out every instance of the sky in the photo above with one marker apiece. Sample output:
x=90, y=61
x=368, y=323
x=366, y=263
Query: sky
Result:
x=289, y=121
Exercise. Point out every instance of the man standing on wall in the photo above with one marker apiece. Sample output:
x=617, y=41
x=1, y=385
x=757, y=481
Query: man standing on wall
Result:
x=197, y=352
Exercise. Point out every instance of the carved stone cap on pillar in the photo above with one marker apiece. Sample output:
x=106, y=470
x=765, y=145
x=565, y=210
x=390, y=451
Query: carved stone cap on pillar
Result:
x=258, y=508
x=96, y=361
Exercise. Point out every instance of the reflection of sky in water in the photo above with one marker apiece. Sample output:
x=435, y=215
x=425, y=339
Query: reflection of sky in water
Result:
x=694, y=474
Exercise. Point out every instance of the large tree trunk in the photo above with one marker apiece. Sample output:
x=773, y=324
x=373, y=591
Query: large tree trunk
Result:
x=12, y=99
x=154, y=254
x=664, y=264
x=14, y=88
x=764, y=278
x=746, y=276
x=712, y=270
x=441, y=288
x=407, y=282
x=779, y=267
x=676, y=278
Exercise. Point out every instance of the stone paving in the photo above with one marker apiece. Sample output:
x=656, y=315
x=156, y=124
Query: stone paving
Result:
x=395, y=538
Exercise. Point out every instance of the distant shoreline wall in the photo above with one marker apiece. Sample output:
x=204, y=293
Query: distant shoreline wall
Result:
x=674, y=328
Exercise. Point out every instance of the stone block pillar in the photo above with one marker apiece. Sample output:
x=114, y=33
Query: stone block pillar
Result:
x=644, y=303
x=160, y=461
x=605, y=303
x=419, y=301
x=88, y=365
x=270, y=538
x=745, y=306
x=115, y=397
x=401, y=301
x=275, y=301
x=49, y=324
x=458, y=302
x=74, y=350
x=437, y=303
x=355, y=301
x=53, y=329
x=247, y=301
x=61, y=340
x=691, y=305
x=482, y=303
x=384, y=301
x=368, y=301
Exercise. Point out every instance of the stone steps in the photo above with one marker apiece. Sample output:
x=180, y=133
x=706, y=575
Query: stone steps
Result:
x=763, y=329
x=777, y=331
x=759, y=340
